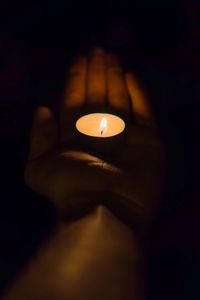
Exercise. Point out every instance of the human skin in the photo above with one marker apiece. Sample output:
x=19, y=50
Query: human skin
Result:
x=113, y=197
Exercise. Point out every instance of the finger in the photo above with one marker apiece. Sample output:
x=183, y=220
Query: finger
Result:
x=74, y=94
x=96, y=81
x=44, y=132
x=117, y=91
x=74, y=91
x=140, y=105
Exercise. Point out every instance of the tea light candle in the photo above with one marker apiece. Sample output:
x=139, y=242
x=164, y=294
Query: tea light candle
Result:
x=102, y=125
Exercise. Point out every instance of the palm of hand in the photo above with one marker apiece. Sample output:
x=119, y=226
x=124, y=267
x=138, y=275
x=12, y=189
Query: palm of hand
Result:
x=65, y=175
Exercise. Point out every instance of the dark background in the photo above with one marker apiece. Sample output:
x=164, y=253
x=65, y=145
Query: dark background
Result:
x=159, y=41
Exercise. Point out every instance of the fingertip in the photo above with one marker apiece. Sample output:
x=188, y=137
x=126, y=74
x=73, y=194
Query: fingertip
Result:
x=131, y=79
x=43, y=113
x=129, y=75
x=140, y=103
x=44, y=132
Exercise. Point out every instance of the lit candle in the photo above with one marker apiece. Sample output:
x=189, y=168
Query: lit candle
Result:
x=100, y=125
x=103, y=126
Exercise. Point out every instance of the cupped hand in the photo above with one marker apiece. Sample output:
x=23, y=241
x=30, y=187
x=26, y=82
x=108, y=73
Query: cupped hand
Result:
x=75, y=179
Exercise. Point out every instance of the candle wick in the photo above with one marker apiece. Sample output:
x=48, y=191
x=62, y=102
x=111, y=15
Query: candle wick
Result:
x=101, y=131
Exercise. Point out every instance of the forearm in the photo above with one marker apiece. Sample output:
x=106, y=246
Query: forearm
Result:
x=94, y=257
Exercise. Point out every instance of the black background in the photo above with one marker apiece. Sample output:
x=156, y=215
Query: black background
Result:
x=158, y=40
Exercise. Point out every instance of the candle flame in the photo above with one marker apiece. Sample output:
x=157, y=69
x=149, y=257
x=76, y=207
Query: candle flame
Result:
x=103, y=125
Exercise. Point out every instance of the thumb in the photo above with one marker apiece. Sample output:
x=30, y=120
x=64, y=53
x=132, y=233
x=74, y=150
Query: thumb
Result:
x=44, y=132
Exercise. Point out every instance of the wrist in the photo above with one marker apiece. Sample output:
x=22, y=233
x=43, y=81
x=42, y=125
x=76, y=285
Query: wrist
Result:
x=79, y=204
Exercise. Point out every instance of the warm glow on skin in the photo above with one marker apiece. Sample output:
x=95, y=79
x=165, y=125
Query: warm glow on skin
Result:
x=106, y=204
